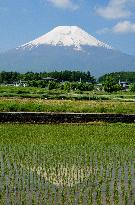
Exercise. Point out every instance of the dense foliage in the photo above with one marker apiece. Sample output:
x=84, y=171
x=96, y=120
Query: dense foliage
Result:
x=9, y=77
x=110, y=85
x=132, y=87
x=71, y=76
x=122, y=76
x=67, y=164
x=67, y=86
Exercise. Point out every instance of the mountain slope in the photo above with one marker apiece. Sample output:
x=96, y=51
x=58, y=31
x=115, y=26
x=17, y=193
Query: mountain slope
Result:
x=66, y=36
x=66, y=48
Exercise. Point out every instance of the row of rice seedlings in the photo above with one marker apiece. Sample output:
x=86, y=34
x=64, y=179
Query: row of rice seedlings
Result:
x=85, y=175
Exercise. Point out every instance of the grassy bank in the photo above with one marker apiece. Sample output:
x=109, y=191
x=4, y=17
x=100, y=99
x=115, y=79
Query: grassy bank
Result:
x=89, y=106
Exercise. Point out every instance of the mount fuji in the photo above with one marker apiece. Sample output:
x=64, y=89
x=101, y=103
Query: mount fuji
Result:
x=66, y=47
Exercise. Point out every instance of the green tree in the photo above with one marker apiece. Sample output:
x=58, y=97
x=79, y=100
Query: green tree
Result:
x=110, y=85
x=132, y=88
x=67, y=86
x=9, y=77
x=85, y=86
x=52, y=85
x=74, y=85
x=122, y=76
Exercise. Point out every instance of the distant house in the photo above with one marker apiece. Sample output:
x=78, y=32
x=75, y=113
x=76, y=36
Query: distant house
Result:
x=99, y=86
x=124, y=85
x=47, y=79
x=10, y=84
x=21, y=83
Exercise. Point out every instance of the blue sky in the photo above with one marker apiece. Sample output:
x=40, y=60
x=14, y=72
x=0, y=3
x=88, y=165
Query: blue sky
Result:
x=112, y=21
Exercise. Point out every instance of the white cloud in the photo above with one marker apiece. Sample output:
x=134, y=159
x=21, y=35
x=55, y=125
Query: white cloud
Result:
x=102, y=31
x=116, y=9
x=120, y=28
x=124, y=27
x=64, y=4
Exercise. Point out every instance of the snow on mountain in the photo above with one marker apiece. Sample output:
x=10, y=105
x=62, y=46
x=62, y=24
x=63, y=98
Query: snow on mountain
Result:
x=66, y=47
x=66, y=36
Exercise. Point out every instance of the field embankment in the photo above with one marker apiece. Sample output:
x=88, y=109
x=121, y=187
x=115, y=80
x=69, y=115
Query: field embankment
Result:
x=45, y=118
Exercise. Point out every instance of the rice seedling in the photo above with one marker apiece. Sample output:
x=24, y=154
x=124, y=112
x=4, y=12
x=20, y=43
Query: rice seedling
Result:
x=67, y=164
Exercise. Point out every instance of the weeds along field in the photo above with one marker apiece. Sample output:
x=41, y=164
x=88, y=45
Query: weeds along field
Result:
x=43, y=93
x=87, y=106
x=67, y=164
x=29, y=99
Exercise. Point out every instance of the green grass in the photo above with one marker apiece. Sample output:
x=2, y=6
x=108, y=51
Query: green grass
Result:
x=87, y=106
x=94, y=133
x=29, y=99
x=31, y=92
x=58, y=164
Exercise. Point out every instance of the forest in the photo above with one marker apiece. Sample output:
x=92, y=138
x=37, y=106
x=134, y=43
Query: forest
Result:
x=119, y=76
x=71, y=76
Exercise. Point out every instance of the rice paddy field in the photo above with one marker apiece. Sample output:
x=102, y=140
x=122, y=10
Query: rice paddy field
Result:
x=67, y=164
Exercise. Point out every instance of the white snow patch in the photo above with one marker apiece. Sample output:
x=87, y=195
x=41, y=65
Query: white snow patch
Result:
x=66, y=36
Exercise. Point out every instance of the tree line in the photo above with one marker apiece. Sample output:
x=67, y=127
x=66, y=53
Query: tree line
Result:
x=119, y=76
x=73, y=80
x=70, y=76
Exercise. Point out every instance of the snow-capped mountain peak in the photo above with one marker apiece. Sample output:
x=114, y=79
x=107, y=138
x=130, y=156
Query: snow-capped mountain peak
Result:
x=66, y=47
x=66, y=36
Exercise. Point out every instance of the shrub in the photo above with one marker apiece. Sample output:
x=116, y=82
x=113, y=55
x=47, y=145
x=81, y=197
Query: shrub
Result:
x=132, y=88
x=52, y=85
x=110, y=85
